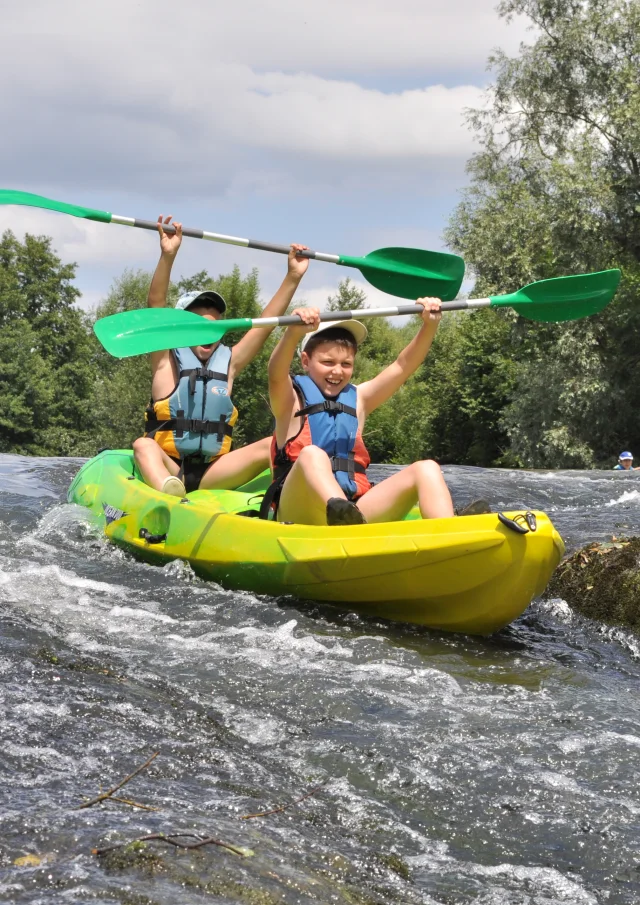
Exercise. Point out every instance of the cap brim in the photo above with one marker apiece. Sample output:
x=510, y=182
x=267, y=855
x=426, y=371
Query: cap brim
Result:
x=354, y=327
x=212, y=298
x=207, y=297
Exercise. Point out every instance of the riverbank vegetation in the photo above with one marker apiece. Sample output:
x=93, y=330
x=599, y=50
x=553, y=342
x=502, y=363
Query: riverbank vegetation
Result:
x=554, y=190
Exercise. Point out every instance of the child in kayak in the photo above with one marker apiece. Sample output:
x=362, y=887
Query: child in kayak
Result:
x=319, y=457
x=190, y=419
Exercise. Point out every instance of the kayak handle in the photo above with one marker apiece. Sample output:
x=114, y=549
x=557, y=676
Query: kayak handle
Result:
x=152, y=538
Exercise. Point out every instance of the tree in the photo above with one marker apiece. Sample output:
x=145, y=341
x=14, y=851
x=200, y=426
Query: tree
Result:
x=349, y=297
x=51, y=346
x=556, y=190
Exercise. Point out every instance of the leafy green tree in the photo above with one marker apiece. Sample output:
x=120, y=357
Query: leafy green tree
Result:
x=26, y=390
x=349, y=297
x=555, y=190
x=52, y=345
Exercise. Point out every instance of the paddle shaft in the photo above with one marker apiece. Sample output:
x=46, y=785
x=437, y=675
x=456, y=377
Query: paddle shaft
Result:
x=140, y=331
x=291, y=320
x=226, y=240
x=409, y=273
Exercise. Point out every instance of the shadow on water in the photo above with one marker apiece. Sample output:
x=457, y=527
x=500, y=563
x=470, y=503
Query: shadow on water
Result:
x=455, y=769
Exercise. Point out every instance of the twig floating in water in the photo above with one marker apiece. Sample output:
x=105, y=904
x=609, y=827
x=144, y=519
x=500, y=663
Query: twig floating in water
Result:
x=285, y=806
x=108, y=794
x=172, y=839
x=134, y=804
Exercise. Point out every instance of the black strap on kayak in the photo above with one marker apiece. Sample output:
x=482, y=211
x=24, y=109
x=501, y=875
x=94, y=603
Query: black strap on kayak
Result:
x=272, y=497
x=152, y=538
x=522, y=523
x=282, y=465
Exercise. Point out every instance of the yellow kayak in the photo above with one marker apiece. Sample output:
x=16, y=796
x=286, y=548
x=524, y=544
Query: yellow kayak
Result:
x=473, y=574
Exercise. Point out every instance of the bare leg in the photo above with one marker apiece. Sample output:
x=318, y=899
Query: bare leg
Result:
x=237, y=467
x=309, y=485
x=154, y=464
x=420, y=483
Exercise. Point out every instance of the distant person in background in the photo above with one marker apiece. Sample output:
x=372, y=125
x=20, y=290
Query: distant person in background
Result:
x=625, y=462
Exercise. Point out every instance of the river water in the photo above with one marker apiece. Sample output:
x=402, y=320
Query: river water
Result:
x=452, y=769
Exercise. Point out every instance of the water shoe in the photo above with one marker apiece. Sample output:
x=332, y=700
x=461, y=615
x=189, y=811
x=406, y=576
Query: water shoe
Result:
x=343, y=512
x=173, y=486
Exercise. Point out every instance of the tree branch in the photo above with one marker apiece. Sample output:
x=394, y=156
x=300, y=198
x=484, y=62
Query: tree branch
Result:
x=108, y=794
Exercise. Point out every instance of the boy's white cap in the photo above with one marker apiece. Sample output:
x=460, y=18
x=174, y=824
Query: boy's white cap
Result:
x=208, y=296
x=356, y=328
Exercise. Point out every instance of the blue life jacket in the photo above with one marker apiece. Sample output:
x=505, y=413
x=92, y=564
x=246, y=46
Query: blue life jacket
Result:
x=197, y=418
x=333, y=426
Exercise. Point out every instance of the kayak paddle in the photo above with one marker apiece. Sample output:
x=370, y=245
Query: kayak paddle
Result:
x=154, y=329
x=409, y=273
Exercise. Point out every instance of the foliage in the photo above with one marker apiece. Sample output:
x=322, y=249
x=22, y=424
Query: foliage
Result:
x=448, y=409
x=46, y=375
x=556, y=190
x=349, y=297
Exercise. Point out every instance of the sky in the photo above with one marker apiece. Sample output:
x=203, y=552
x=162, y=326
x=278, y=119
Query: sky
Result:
x=338, y=124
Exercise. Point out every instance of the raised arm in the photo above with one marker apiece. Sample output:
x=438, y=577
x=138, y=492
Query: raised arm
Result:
x=282, y=396
x=251, y=343
x=376, y=391
x=157, y=298
x=169, y=245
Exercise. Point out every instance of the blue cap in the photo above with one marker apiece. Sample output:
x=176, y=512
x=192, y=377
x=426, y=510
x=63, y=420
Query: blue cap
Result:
x=625, y=455
x=209, y=296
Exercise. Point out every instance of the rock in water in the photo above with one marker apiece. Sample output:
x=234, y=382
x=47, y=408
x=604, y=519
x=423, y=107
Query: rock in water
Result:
x=602, y=581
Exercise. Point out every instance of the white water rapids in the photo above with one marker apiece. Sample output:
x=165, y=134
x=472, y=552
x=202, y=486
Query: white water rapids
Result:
x=454, y=770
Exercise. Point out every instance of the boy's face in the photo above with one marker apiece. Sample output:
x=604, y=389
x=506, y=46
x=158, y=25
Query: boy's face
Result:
x=626, y=463
x=203, y=353
x=330, y=366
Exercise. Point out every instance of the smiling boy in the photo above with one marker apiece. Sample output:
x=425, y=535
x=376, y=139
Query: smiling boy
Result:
x=190, y=419
x=318, y=454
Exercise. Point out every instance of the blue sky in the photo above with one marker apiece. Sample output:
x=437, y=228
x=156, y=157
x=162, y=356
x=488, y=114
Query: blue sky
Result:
x=338, y=124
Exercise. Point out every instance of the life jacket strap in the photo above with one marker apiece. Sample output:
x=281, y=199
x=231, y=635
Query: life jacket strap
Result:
x=180, y=424
x=329, y=405
x=201, y=374
x=349, y=465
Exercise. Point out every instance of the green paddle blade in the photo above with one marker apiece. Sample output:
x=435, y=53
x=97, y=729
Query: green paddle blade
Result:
x=155, y=329
x=7, y=196
x=563, y=298
x=411, y=273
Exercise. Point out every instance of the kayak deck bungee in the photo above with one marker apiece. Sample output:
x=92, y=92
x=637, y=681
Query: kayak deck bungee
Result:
x=470, y=574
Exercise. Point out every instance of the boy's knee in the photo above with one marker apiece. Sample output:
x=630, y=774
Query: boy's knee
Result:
x=428, y=467
x=141, y=444
x=312, y=455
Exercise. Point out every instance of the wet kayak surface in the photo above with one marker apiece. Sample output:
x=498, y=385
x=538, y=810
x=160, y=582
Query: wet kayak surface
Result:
x=444, y=768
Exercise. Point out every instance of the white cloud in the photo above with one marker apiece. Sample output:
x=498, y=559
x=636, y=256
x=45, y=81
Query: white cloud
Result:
x=78, y=240
x=317, y=297
x=178, y=43
x=339, y=122
x=199, y=94
x=320, y=117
